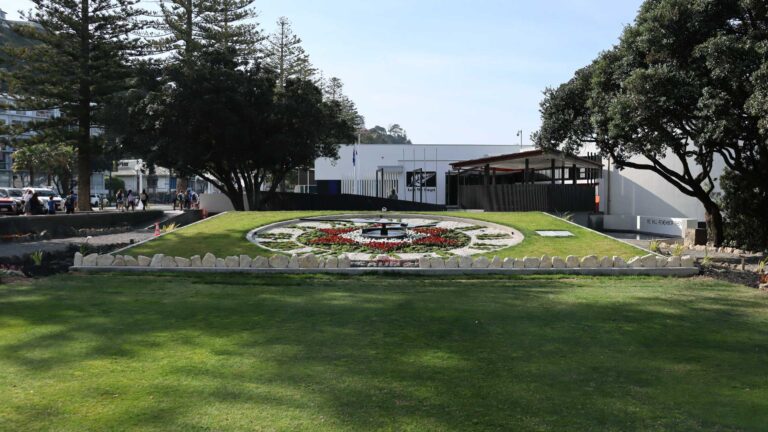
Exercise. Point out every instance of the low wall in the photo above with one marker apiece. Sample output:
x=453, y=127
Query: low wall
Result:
x=217, y=203
x=58, y=225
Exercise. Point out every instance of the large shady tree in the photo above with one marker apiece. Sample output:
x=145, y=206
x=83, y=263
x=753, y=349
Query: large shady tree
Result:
x=673, y=97
x=226, y=121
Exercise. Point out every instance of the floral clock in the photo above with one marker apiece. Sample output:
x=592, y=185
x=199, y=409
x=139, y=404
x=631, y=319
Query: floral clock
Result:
x=440, y=238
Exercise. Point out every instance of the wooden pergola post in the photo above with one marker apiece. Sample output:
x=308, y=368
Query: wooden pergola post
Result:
x=552, y=172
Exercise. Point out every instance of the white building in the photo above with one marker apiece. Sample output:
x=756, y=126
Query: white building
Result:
x=626, y=194
x=397, y=167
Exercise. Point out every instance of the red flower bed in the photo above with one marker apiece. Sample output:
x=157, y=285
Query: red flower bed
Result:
x=431, y=231
x=435, y=241
x=332, y=240
x=336, y=231
x=384, y=246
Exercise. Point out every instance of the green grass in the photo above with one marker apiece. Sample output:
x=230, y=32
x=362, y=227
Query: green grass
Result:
x=324, y=353
x=225, y=236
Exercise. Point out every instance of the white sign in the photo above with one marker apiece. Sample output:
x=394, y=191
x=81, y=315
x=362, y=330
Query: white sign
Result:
x=664, y=225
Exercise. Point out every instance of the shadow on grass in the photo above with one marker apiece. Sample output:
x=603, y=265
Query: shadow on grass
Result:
x=365, y=353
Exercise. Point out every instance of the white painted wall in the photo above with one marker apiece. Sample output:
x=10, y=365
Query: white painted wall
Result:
x=640, y=192
x=432, y=157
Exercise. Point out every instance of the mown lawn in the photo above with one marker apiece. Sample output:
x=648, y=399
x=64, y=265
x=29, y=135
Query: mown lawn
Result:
x=225, y=236
x=330, y=353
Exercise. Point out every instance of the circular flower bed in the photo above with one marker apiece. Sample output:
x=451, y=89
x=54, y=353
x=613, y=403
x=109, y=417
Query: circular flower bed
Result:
x=446, y=238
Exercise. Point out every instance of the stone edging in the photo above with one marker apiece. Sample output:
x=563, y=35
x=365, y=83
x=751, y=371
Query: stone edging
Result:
x=663, y=271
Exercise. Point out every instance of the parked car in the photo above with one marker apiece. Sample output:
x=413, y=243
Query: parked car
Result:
x=7, y=204
x=95, y=200
x=46, y=195
x=17, y=195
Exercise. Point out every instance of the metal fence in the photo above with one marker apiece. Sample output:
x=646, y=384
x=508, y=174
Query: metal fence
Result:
x=528, y=197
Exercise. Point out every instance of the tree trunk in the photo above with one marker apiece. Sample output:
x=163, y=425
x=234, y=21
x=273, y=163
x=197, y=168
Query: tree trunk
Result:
x=31, y=177
x=714, y=220
x=84, y=120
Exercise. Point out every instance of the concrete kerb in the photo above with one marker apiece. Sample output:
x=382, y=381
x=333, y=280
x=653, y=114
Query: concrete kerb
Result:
x=647, y=251
x=663, y=271
x=162, y=234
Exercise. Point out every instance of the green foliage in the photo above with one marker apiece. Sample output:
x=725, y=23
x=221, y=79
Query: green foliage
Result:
x=78, y=62
x=114, y=184
x=180, y=352
x=170, y=227
x=37, y=258
x=283, y=54
x=226, y=235
x=380, y=135
x=684, y=86
x=678, y=249
x=226, y=121
x=744, y=201
x=653, y=246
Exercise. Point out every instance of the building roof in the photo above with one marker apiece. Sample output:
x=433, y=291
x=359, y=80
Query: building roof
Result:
x=537, y=159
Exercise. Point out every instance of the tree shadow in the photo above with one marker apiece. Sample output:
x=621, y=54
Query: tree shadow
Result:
x=375, y=352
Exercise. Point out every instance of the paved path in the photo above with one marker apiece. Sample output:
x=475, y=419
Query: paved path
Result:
x=56, y=245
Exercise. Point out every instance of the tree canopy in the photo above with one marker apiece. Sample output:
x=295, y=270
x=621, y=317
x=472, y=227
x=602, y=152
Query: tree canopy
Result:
x=682, y=90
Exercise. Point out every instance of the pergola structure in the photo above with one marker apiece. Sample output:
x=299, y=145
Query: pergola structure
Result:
x=531, y=180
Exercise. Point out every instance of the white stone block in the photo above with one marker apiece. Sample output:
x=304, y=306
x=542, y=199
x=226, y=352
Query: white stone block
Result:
x=91, y=260
x=209, y=260
x=309, y=261
x=618, y=262
x=481, y=262
x=144, y=261
x=572, y=261
x=157, y=261
x=531, y=262
x=649, y=261
x=221, y=263
x=331, y=262
x=545, y=262
x=436, y=263
x=635, y=262
x=131, y=261
x=245, y=261
x=606, y=262
x=452, y=262
x=425, y=262
x=278, y=261
x=260, y=262
x=345, y=262
x=105, y=260
x=558, y=262
x=119, y=261
x=519, y=263
x=661, y=261
x=232, y=262
x=78, y=260
x=465, y=262
x=673, y=261
x=196, y=261
x=687, y=261
x=589, y=261
x=293, y=262
x=508, y=263
x=183, y=262
x=496, y=263
x=169, y=262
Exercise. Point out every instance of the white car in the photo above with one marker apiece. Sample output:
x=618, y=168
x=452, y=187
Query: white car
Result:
x=95, y=200
x=45, y=195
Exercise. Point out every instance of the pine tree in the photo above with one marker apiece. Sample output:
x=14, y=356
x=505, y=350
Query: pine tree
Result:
x=284, y=54
x=333, y=90
x=80, y=61
x=222, y=27
x=177, y=29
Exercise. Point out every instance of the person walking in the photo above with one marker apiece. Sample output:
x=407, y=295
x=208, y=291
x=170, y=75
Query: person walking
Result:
x=392, y=195
x=51, y=205
x=187, y=199
x=119, y=200
x=33, y=206
x=69, y=203
x=144, y=199
x=130, y=201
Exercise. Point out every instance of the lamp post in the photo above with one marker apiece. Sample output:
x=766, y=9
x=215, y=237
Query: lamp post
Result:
x=520, y=134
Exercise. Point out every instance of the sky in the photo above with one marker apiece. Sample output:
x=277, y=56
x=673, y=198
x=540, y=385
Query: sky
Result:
x=448, y=71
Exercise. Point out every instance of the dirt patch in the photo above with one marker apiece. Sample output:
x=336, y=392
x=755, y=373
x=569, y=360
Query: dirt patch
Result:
x=733, y=275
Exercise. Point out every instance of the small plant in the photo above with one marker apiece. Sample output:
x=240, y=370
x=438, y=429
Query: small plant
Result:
x=567, y=216
x=678, y=250
x=706, y=262
x=653, y=246
x=762, y=265
x=84, y=246
x=170, y=227
x=37, y=258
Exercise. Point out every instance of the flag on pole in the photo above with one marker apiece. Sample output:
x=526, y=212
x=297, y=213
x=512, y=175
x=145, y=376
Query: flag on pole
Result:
x=354, y=155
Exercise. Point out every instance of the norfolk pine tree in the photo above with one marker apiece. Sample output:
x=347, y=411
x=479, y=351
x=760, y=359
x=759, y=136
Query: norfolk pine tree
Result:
x=81, y=60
